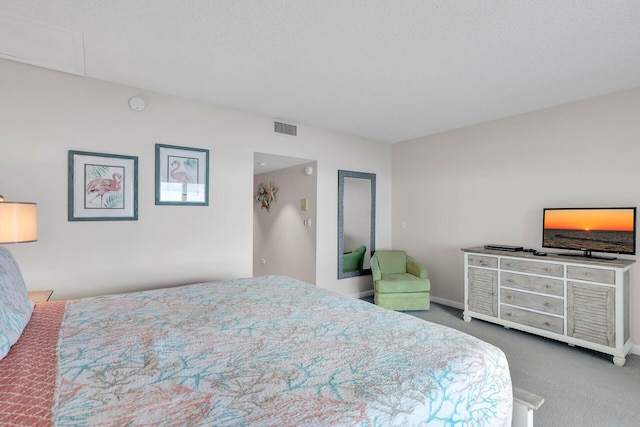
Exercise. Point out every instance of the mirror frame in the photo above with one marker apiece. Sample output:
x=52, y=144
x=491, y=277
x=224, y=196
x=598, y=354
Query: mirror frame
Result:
x=342, y=174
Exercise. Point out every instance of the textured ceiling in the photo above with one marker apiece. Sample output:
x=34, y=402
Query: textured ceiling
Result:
x=385, y=70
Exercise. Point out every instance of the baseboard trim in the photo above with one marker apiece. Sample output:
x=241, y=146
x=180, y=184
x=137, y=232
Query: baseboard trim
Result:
x=635, y=349
x=363, y=294
x=448, y=302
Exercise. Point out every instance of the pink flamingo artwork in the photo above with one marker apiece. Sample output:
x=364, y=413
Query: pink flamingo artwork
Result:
x=102, y=186
x=179, y=176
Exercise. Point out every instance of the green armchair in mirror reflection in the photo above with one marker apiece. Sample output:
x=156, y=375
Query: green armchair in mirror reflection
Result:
x=399, y=281
x=353, y=260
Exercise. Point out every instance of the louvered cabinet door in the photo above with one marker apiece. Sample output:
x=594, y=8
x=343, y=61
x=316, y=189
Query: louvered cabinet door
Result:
x=591, y=313
x=483, y=291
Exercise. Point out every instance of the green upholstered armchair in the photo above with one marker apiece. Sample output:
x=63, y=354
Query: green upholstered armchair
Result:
x=353, y=260
x=400, y=282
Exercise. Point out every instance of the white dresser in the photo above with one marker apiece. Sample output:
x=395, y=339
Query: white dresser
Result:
x=580, y=301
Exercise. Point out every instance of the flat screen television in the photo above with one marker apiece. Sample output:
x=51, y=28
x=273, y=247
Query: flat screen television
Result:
x=608, y=230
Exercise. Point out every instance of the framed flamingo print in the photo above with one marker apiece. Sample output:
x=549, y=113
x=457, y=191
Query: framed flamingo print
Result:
x=182, y=175
x=102, y=187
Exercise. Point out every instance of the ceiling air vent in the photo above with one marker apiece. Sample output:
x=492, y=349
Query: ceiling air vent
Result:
x=284, y=128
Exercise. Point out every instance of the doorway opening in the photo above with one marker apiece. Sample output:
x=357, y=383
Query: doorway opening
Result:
x=284, y=216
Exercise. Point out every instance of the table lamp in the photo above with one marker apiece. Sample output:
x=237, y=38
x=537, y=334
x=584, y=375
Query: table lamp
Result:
x=18, y=222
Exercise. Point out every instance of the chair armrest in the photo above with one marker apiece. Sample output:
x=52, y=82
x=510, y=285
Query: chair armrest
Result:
x=375, y=269
x=415, y=268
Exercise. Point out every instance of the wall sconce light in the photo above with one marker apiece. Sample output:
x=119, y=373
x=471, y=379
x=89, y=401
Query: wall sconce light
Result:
x=308, y=170
x=18, y=222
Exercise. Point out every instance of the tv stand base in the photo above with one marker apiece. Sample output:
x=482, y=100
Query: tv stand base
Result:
x=587, y=254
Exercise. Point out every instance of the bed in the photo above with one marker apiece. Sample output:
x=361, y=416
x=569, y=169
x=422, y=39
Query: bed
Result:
x=266, y=351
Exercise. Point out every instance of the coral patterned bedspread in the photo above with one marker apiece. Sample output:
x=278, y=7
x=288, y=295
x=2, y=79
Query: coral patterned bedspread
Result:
x=268, y=351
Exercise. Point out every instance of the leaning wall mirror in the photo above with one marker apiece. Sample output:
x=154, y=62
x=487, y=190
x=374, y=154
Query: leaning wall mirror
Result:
x=356, y=222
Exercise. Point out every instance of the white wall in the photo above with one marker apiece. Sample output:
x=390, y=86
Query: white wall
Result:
x=46, y=113
x=281, y=235
x=489, y=183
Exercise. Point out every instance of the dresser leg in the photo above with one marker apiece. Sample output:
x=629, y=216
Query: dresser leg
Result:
x=619, y=361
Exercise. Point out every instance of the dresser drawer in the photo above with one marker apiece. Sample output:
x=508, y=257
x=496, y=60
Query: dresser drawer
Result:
x=533, y=267
x=543, y=285
x=550, y=305
x=598, y=275
x=535, y=320
x=483, y=261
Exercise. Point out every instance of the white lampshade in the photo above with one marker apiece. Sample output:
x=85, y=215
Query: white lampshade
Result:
x=18, y=222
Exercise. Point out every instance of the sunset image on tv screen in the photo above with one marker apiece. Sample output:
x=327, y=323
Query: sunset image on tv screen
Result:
x=590, y=219
x=600, y=230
